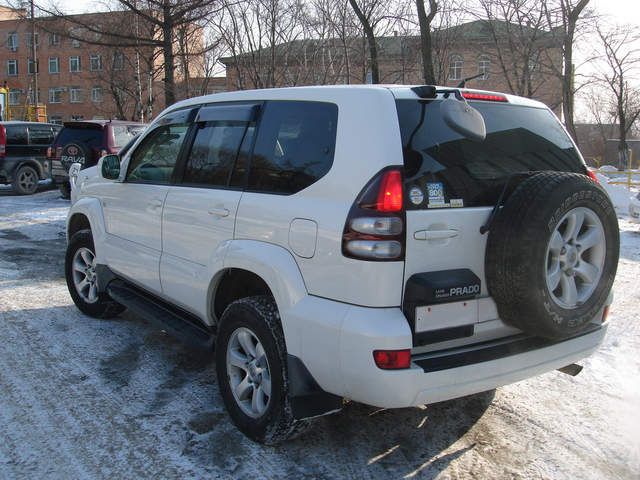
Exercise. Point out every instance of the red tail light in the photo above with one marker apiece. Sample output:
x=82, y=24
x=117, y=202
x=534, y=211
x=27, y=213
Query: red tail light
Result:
x=392, y=359
x=49, y=152
x=390, y=193
x=484, y=96
x=592, y=175
x=374, y=229
x=3, y=141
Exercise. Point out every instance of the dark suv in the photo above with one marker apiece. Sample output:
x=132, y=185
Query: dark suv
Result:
x=85, y=142
x=23, y=149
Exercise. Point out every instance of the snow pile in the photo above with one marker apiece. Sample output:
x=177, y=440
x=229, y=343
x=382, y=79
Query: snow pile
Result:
x=619, y=194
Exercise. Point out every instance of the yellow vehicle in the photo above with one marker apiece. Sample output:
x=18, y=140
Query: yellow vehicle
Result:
x=28, y=113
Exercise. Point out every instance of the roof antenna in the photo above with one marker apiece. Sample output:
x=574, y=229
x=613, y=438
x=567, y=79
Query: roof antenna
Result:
x=464, y=81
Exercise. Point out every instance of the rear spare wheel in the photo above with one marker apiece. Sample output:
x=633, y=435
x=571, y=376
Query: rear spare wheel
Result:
x=552, y=254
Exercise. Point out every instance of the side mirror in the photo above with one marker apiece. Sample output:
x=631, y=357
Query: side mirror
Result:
x=74, y=171
x=463, y=118
x=110, y=168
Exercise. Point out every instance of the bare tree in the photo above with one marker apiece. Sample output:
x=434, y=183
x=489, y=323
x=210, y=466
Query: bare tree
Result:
x=366, y=14
x=564, y=18
x=619, y=73
x=426, y=43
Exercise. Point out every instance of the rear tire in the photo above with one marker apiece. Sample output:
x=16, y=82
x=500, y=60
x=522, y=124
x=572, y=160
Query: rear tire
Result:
x=65, y=190
x=25, y=180
x=81, y=278
x=250, y=350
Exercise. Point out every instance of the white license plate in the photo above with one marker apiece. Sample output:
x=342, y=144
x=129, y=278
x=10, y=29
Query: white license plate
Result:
x=446, y=315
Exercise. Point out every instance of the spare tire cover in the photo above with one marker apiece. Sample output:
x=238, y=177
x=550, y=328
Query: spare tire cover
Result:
x=76, y=153
x=552, y=254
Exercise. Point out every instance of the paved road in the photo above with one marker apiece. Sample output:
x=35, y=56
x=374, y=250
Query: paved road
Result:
x=85, y=398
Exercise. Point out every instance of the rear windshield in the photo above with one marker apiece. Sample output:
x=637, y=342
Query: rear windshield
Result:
x=91, y=136
x=122, y=134
x=444, y=169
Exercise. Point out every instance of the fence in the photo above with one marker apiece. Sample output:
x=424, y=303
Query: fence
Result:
x=621, y=177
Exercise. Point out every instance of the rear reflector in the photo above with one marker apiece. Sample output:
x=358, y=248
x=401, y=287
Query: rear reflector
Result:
x=592, y=175
x=392, y=359
x=484, y=96
x=605, y=313
x=390, y=193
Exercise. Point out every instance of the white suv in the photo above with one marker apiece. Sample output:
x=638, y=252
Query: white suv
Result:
x=392, y=245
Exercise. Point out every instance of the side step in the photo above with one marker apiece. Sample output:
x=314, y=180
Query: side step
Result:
x=175, y=321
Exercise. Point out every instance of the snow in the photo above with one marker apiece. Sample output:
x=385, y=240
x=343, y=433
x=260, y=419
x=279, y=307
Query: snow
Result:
x=619, y=194
x=86, y=398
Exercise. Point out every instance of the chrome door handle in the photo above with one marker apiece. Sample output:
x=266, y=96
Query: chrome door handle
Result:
x=435, y=234
x=220, y=212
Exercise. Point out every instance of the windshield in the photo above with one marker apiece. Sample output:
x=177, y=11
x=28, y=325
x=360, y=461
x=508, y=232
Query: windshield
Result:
x=452, y=171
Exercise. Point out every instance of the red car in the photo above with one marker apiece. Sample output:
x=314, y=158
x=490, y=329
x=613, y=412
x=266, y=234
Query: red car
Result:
x=85, y=142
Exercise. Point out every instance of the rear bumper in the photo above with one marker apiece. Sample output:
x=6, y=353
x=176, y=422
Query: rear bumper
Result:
x=58, y=172
x=338, y=343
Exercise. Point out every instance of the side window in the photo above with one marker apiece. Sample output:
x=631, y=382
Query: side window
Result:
x=295, y=146
x=122, y=134
x=40, y=135
x=154, y=159
x=17, y=135
x=214, y=153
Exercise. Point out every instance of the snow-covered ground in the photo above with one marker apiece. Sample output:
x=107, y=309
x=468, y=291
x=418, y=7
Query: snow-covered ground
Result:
x=86, y=398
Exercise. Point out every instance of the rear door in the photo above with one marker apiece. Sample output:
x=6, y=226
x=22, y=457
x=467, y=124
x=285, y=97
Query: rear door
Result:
x=452, y=184
x=199, y=212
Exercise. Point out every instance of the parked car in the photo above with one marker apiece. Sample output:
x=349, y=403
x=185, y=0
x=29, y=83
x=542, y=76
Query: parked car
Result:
x=23, y=154
x=85, y=142
x=392, y=245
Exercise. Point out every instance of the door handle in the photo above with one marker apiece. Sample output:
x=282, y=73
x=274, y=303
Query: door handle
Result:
x=435, y=234
x=220, y=212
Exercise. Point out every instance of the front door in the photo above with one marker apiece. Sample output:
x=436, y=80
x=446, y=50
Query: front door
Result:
x=133, y=208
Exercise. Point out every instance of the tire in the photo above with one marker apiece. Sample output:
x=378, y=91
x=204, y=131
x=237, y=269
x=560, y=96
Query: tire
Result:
x=65, y=190
x=25, y=180
x=101, y=306
x=530, y=266
x=257, y=316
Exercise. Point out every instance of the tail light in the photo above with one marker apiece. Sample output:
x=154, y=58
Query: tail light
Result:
x=3, y=141
x=49, y=152
x=487, y=97
x=392, y=359
x=374, y=229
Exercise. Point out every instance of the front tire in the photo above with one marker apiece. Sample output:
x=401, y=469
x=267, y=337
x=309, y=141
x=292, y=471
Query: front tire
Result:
x=80, y=273
x=252, y=370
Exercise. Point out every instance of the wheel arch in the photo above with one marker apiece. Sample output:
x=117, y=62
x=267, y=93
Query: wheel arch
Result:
x=30, y=162
x=87, y=213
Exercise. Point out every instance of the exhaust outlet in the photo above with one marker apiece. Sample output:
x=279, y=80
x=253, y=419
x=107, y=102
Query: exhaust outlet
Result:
x=573, y=369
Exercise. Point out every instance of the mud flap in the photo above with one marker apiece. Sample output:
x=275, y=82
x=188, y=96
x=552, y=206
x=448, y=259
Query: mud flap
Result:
x=307, y=398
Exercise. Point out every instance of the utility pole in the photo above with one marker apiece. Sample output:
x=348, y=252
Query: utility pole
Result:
x=34, y=53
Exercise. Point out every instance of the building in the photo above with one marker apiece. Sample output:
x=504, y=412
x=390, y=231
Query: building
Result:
x=81, y=73
x=524, y=67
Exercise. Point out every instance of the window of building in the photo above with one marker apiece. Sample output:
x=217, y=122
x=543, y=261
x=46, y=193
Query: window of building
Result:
x=54, y=39
x=95, y=62
x=154, y=159
x=294, y=147
x=96, y=94
x=118, y=61
x=455, y=67
x=75, y=95
x=31, y=67
x=12, y=41
x=483, y=67
x=12, y=68
x=57, y=119
x=29, y=37
x=54, y=65
x=74, y=64
x=14, y=97
x=55, y=95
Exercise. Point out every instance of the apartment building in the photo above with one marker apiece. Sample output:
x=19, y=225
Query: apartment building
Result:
x=79, y=79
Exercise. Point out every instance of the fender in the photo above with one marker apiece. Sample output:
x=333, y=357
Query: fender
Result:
x=277, y=267
x=90, y=207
